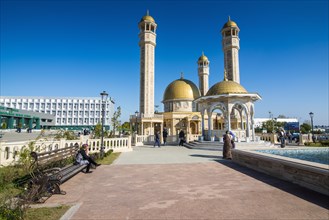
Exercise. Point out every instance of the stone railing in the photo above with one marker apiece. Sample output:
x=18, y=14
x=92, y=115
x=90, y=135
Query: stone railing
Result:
x=140, y=140
x=9, y=152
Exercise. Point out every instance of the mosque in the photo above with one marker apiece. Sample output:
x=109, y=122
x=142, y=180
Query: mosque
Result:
x=202, y=113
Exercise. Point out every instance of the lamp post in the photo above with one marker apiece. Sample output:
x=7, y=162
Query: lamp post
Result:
x=136, y=125
x=311, y=115
x=271, y=117
x=104, y=96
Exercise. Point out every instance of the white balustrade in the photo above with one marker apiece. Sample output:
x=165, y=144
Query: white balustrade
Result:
x=9, y=152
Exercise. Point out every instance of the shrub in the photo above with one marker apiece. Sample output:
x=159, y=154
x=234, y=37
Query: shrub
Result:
x=325, y=143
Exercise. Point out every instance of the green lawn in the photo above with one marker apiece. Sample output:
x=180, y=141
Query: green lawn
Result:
x=49, y=213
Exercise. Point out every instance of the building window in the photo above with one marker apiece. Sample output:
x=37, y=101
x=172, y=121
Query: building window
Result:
x=97, y=106
x=87, y=106
x=91, y=121
x=86, y=114
x=59, y=105
x=59, y=113
x=75, y=120
x=75, y=106
x=64, y=113
x=48, y=105
x=53, y=113
x=64, y=120
x=70, y=113
x=81, y=106
x=70, y=106
x=92, y=106
x=70, y=120
x=75, y=113
x=31, y=105
x=58, y=120
x=25, y=105
x=42, y=105
x=86, y=120
x=80, y=121
x=80, y=113
x=65, y=106
x=54, y=105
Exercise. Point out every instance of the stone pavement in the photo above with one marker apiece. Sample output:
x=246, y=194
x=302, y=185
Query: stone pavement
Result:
x=174, y=182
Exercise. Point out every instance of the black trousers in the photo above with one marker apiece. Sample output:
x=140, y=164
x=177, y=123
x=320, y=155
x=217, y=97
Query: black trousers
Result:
x=91, y=161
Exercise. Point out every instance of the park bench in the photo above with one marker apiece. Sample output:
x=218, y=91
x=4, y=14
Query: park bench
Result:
x=44, y=181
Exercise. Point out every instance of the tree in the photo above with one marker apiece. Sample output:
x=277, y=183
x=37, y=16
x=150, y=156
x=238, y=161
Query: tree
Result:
x=305, y=128
x=282, y=116
x=98, y=130
x=272, y=125
x=115, y=119
x=126, y=126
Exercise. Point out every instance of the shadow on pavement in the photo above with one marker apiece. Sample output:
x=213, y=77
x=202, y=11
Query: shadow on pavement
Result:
x=294, y=189
x=204, y=156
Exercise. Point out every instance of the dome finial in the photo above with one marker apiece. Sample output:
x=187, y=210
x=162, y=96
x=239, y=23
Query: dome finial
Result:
x=202, y=53
x=147, y=12
x=181, y=75
x=229, y=18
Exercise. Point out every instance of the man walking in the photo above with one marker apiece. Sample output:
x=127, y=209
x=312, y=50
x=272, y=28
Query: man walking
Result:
x=157, y=139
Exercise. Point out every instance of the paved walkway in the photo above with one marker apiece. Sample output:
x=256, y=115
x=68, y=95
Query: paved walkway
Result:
x=178, y=183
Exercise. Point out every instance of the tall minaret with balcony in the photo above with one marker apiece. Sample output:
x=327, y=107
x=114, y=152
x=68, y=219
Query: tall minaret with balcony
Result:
x=203, y=72
x=231, y=46
x=147, y=38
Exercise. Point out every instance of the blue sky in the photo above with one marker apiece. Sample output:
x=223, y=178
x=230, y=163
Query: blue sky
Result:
x=80, y=48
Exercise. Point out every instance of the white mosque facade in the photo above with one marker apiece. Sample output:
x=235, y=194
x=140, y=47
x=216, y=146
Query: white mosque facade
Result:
x=199, y=111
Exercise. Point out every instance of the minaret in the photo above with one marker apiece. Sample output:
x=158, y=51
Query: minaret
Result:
x=147, y=37
x=231, y=46
x=203, y=72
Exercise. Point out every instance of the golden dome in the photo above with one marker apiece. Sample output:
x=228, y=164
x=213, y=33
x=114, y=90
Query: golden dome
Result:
x=203, y=58
x=230, y=23
x=147, y=18
x=226, y=87
x=181, y=89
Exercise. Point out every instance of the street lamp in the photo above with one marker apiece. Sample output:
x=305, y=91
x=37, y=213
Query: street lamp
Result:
x=104, y=96
x=311, y=115
x=136, y=125
x=271, y=117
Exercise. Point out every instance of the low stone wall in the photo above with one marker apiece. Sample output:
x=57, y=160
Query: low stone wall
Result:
x=310, y=175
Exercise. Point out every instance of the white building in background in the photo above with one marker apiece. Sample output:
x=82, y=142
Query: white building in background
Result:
x=69, y=112
x=258, y=122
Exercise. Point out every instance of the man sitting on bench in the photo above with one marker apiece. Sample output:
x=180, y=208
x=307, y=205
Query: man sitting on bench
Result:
x=83, y=158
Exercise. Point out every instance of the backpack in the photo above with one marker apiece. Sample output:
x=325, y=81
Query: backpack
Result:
x=79, y=159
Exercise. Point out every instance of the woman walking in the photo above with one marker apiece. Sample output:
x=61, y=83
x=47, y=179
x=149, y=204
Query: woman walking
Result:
x=227, y=146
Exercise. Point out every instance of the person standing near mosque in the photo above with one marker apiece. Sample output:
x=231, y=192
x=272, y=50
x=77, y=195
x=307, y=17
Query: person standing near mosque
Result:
x=181, y=136
x=157, y=139
x=227, y=154
x=164, y=135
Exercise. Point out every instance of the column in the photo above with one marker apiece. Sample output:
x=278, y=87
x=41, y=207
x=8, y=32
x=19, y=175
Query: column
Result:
x=202, y=124
x=142, y=127
x=228, y=120
x=37, y=123
x=21, y=122
x=209, y=125
x=30, y=123
x=10, y=123
x=248, y=128
x=161, y=130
